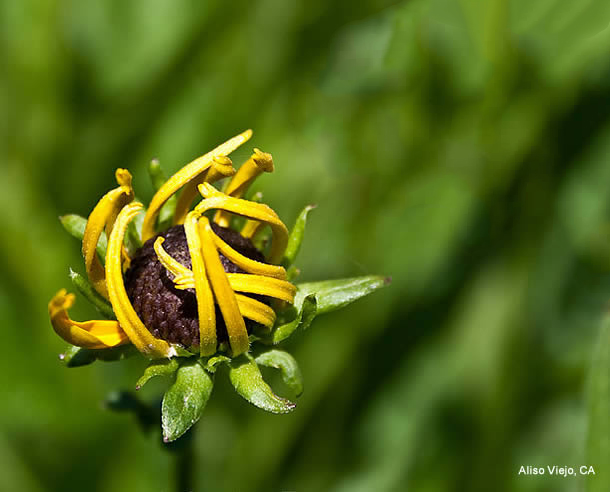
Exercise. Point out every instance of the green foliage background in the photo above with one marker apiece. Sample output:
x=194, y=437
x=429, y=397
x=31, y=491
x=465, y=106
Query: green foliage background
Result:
x=462, y=147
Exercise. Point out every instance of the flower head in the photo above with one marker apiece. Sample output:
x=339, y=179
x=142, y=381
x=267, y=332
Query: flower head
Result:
x=193, y=287
x=197, y=284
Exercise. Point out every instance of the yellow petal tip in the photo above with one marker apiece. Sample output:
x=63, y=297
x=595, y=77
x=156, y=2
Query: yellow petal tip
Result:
x=61, y=301
x=207, y=190
x=123, y=177
x=263, y=160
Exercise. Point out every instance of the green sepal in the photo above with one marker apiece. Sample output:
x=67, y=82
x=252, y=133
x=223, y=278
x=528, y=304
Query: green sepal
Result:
x=292, y=272
x=248, y=381
x=133, y=237
x=185, y=400
x=286, y=363
x=158, y=179
x=296, y=317
x=296, y=237
x=157, y=176
x=78, y=356
x=75, y=225
x=213, y=362
x=182, y=351
x=257, y=197
x=335, y=294
x=158, y=367
x=89, y=293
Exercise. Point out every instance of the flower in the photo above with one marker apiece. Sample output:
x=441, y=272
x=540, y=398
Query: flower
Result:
x=193, y=289
x=213, y=271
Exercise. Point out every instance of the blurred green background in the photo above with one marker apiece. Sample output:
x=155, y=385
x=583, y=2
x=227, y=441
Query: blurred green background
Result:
x=462, y=147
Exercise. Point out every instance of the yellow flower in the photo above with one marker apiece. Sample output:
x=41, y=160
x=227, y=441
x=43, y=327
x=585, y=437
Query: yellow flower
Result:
x=196, y=275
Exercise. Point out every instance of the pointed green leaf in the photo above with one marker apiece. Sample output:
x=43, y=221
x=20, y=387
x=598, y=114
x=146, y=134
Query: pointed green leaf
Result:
x=335, y=294
x=248, y=381
x=599, y=413
x=296, y=237
x=158, y=367
x=158, y=178
x=89, y=293
x=185, y=400
x=75, y=225
x=278, y=359
x=318, y=298
x=77, y=356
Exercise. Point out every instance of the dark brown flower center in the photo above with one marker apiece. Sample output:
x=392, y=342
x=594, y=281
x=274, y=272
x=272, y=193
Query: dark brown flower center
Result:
x=169, y=313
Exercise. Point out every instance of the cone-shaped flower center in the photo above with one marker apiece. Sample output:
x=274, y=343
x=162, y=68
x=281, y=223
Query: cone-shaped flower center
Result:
x=169, y=313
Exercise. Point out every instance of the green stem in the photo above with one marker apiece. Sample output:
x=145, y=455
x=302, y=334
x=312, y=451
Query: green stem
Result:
x=184, y=463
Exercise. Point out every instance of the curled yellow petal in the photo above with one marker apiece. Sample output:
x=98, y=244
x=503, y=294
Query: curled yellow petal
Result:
x=225, y=296
x=103, y=217
x=214, y=199
x=184, y=176
x=221, y=167
x=95, y=334
x=251, y=228
x=139, y=335
x=170, y=264
x=258, y=163
x=247, y=264
x=205, y=299
x=255, y=310
x=265, y=286
x=239, y=282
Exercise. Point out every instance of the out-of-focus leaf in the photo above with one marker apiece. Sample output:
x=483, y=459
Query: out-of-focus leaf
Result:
x=185, y=400
x=577, y=35
x=300, y=317
x=87, y=290
x=126, y=401
x=358, y=55
x=599, y=413
x=158, y=178
x=75, y=225
x=122, y=401
x=335, y=294
x=248, y=381
x=78, y=356
x=278, y=359
x=158, y=367
x=296, y=237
